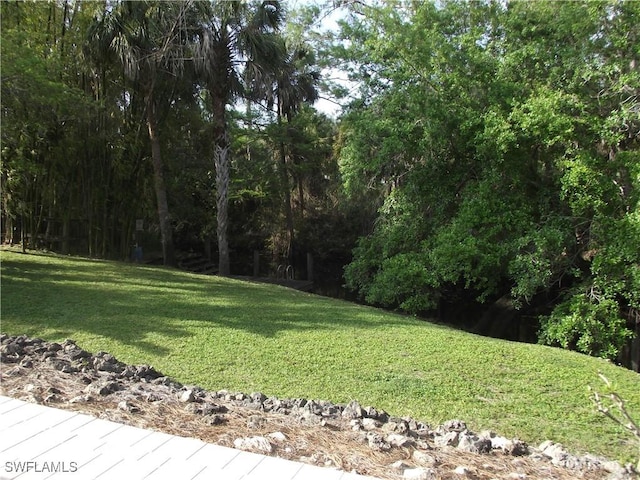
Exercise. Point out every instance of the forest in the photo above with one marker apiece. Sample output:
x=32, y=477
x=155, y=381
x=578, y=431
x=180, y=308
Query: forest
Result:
x=482, y=166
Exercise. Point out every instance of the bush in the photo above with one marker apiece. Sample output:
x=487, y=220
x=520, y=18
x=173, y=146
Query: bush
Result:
x=588, y=324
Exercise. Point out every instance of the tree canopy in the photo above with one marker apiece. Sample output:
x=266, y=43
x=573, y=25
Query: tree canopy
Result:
x=501, y=141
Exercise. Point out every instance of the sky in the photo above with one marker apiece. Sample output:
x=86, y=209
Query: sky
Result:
x=328, y=23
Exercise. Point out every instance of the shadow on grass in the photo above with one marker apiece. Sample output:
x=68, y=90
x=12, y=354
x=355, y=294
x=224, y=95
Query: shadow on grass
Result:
x=132, y=304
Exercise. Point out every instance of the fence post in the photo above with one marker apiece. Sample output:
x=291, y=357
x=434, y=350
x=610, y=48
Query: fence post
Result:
x=309, y=267
x=256, y=263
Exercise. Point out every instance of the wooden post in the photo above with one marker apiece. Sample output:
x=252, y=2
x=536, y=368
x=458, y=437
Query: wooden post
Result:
x=309, y=267
x=256, y=263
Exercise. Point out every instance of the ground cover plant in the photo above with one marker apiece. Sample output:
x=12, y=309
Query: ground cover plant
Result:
x=225, y=333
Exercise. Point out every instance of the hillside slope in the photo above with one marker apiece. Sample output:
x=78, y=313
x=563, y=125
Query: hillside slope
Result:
x=223, y=333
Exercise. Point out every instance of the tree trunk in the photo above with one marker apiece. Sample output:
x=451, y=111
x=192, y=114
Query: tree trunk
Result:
x=287, y=200
x=221, y=160
x=284, y=174
x=161, y=191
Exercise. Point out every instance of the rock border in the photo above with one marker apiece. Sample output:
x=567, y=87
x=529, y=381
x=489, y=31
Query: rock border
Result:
x=104, y=375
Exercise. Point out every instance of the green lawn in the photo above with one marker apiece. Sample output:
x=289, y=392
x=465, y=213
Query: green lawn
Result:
x=222, y=333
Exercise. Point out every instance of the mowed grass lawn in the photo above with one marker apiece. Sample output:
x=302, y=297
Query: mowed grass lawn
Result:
x=223, y=333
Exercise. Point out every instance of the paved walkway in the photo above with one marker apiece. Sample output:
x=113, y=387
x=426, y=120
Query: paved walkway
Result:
x=38, y=442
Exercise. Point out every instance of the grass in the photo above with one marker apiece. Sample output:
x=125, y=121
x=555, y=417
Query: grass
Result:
x=223, y=333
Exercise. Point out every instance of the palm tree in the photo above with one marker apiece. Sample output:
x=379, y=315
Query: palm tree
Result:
x=294, y=83
x=237, y=46
x=148, y=40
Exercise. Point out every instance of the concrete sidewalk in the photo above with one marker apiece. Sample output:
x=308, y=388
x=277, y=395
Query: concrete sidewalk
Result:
x=38, y=442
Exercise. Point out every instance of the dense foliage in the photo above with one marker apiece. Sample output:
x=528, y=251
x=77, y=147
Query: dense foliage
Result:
x=118, y=111
x=489, y=162
x=503, y=144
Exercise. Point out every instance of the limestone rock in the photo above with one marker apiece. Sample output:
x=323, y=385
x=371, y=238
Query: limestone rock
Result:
x=423, y=458
x=277, y=436
x=449, y=439
x=396, y=440
x=377, y=442
x=419, y=474
x=256, y=422
x=399, y=466
x=254, y=444
x=460, y=470
x=370, y=424
x=454, y=426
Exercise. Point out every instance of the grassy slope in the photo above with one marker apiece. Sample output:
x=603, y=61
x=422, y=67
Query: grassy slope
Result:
x=221, y=333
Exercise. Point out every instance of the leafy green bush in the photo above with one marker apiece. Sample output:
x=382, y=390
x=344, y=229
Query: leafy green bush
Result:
x=587, y=324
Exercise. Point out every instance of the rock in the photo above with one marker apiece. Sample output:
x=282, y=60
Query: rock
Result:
x=26, y=363
x=256, y=421
x=104, y=388
x=423, y=458
x=12, y=348
x=216, y=419
x=258, y=397
x=128, y=372
x=78, y=354
x=254, y=444
x=211, y=408
x=558, y=455
x=330, y=410
x=462, y=471
x=187, y=396
x=473, y=444
x=308, y=418
x=449, y=439
x=399, y=466
x=105, y=362
x=54, y=347
x=628, y=472
x=48, y=354
x=352, y=411
x=200, y=408
x=611, y=466
x=411, y=423
x=167, y=382
x=419, y=474
x=147, y=372
x=377, y=442
x=313, y=407
x=397, y=425
x=127, y=407
x=277, y=436
x=511, y=447
x=355, y=424
x=62, y=365
x=396, y=440
x=369, y=423
x=81, y=399
x=299, y=402
x=370, y=412
x=423, y=444
x=454, y=426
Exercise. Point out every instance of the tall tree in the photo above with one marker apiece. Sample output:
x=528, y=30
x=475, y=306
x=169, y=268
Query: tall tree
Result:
x=503, y=141
x=149, y=40
x=294, y=83
x=237, y=46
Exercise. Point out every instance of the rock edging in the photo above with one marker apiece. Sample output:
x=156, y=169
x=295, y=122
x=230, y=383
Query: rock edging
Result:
x=105, y=376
